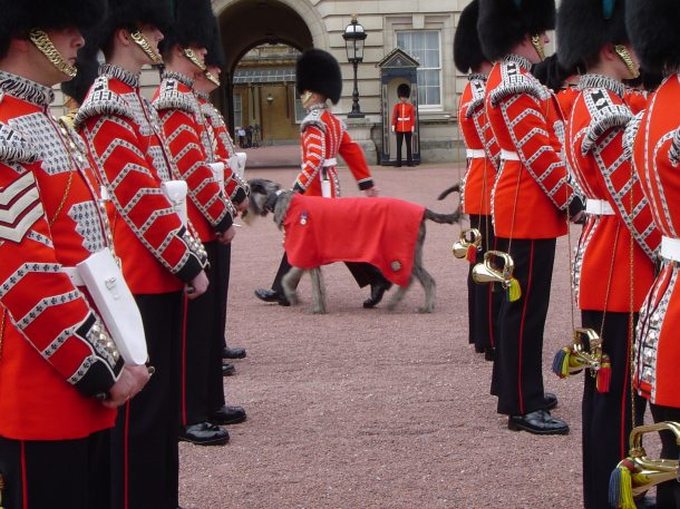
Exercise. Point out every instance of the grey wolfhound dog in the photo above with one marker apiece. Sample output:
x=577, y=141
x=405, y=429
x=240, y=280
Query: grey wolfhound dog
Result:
x=267, y=196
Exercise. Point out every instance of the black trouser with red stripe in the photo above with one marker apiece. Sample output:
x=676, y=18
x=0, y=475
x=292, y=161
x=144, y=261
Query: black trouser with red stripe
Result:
x=215, y=383
x=145, y=458
x=202, y=345
x=56, y=474
x=607, y=417
x=400, y=140
x=517, y=372
x=483, y=301
x=667, y=493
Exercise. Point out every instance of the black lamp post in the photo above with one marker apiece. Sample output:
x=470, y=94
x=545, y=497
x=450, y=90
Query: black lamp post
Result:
x=355, y=36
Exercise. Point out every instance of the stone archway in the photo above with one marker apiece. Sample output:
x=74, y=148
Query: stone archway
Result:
x=245, y=24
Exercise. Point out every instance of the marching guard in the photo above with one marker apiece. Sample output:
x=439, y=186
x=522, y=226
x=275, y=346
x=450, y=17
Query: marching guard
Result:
x=653, y=30
x=210, y=211
x=62, y=374
x=483, y=156
x=323, y=137
x=160, y=257
x=619, y=243
x=530, y=198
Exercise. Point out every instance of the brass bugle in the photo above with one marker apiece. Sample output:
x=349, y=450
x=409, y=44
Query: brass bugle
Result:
x=491, y=271
x=582, y=357
x=650, y=472
x=469, y=237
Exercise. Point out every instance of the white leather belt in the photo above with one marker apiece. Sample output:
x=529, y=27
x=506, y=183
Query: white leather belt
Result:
x=73, y=275
x=670, y=248
x=475, y=153
x=330, y=162
x=599, y=207
x=507, y=155
x=403, y=119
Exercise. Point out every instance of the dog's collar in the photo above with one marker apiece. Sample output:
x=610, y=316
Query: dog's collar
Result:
x=270, y=203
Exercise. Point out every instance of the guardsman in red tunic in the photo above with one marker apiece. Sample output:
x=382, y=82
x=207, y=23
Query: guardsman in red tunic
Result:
x=210, y=211
x=482, y=164
x=530, y=199
x=653, y=30
x=619, y=225
x=159, y=255
x=236, y=189
x=404, y=123
x=61, y=375
x=324, y=137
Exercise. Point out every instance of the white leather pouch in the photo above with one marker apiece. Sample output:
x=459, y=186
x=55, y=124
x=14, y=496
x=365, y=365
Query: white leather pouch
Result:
x=218, y=172
x=176, y=192
x=116, y=305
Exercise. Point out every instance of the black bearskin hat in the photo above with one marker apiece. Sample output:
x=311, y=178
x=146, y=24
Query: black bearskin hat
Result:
x=467, y=50
x=20, y=16
x=654, y=31
x=504, y=23
x=215, y=55
x=192, y=26
x=318, y=71
x=584, y=26
x=551, y=73
x=404, y=90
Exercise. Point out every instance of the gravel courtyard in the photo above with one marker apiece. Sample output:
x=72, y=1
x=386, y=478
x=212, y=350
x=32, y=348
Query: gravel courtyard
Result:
x=376, y=409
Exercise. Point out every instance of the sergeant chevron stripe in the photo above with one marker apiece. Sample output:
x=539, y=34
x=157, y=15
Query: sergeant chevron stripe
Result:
x=20, y=208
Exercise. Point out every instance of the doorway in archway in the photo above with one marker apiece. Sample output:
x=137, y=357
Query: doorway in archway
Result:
x=261, y=41
x=263, y=93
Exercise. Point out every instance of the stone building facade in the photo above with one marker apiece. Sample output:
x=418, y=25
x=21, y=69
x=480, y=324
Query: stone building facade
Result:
x=422, y=28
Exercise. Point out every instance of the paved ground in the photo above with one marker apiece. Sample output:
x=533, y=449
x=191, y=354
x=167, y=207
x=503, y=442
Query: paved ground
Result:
x=372, y=409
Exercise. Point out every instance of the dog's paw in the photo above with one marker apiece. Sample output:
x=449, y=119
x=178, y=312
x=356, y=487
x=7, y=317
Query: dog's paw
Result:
x=426, y=309
x=293, y=298
x=318, y=311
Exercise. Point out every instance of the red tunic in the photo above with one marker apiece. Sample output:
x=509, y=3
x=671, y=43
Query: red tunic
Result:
x=482, y=151
x=183, y=125
x=52, y=358
x=656, y=156
x=222, y=149
x=404, y=117
x=566, y=98
x=531, y=190
x=324, y=136
x=602, y=268
x=379, y=231
x=636, y=100
x=123, y=135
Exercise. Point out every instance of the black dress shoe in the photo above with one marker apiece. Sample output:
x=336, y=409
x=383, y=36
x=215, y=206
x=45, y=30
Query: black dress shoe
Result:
x=269, y=295
x=490, y=355
x=204, y=433
x=539, y=422
x=377, y=292
x=228, y=414
x=550, y=400
x=228, y=369
x=233, y=353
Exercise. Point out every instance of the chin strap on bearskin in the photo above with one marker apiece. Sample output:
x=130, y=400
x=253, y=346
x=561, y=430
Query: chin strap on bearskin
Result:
x=41, y=40
x=141, y=41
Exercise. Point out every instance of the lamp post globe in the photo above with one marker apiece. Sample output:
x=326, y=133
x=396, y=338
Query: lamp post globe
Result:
x=354, y=36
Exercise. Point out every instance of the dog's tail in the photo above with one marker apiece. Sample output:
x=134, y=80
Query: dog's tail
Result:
x=446, y=192
x=443, y=218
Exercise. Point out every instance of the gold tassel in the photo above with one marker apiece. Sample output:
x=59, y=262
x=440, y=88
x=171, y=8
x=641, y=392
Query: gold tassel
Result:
x=514, y=290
